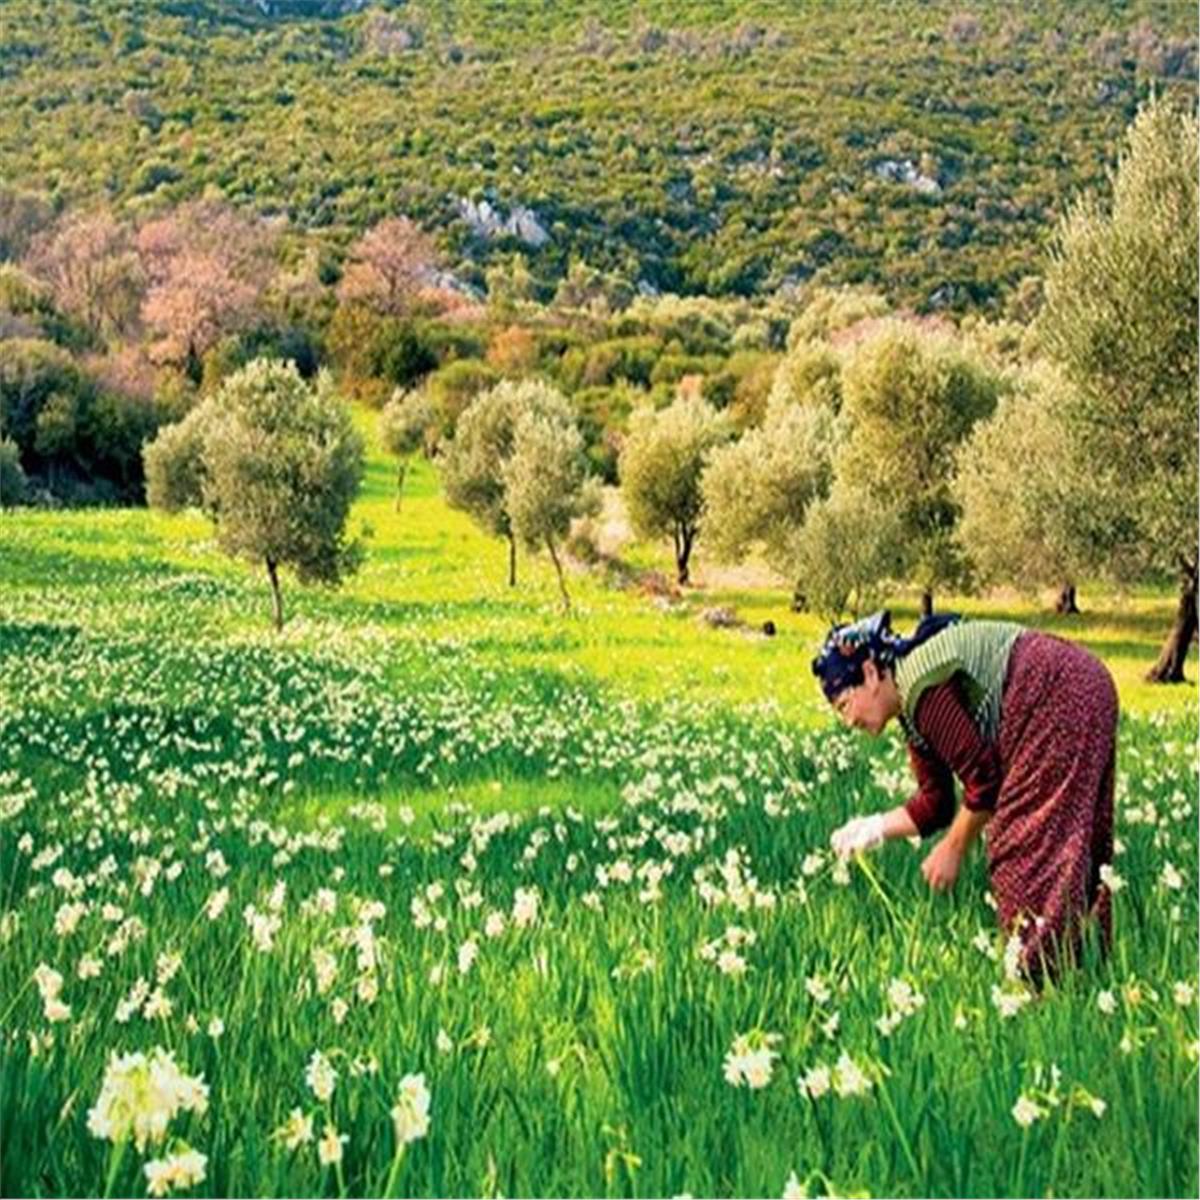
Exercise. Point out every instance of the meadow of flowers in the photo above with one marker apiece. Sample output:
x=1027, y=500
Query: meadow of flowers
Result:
x=346, y=912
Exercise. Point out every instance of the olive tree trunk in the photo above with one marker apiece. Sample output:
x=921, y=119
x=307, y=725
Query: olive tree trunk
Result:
x=1066, y=602
x=926, y=602
x=562, y=583
x=512, y=560
x=684, y=536
x=276, y=594
x=401, y=471
x=1169, y=668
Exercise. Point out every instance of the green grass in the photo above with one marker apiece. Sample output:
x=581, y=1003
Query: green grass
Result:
x=416, y=749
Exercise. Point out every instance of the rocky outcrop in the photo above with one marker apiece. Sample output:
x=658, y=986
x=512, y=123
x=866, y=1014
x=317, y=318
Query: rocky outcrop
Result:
x=487, y=221
x=904, y=171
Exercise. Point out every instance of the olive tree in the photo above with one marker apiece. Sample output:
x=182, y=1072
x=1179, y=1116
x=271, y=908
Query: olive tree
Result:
x=473, y=461
x=757, y=490
x=1120, y=318
x=849, y=546
x=1021, y=493
x=276, y=463
x=546, y=485
x=909, y=398
x=404, y=425
x=660, y=468
x=809, y=373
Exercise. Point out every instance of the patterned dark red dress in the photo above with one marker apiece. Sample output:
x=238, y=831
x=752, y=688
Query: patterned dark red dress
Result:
x=1048, y=780
x=1053, y=825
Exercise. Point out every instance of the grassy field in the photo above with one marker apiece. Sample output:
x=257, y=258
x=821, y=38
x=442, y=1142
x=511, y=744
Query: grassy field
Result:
x=571, y=871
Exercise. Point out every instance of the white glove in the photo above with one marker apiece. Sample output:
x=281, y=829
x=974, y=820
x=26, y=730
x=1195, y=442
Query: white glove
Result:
x=857, y=835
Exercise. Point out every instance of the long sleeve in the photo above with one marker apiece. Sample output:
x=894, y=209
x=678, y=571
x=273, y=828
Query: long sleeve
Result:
x=944, y=722
x=932, y=805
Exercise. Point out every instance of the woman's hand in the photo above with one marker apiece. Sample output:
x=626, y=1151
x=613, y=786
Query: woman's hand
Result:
x=858, y=835
x=941, y=865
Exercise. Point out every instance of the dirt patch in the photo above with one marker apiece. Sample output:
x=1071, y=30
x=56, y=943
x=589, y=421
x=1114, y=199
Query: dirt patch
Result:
x=613, y=536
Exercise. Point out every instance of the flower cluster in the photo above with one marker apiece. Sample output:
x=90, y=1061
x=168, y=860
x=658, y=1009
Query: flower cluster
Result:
x=141, y=1094
x=751, y=1060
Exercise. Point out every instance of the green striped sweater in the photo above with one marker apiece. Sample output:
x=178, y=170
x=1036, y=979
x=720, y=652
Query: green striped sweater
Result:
x=976, y=651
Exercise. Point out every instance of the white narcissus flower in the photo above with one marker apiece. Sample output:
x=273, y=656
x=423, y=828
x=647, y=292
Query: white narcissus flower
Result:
x=1027, y=1110
x=751, y=1059
x=139, y=1096
x=320, y=1076
x=525, y=907
x=793, y=1190
x=215, y=905
x=296, y=1131
x=329, y=1148
x=183, y=1168
x=849, y=1079
x=325, y=969
x=67, y=919
x=815, y=1082
x=1170, y=877
x=410, y=1114
x=730, y=962
x=49, y=981
x=1009, y=1001
x=467, y=953
x=817, y=988
x=89, y=967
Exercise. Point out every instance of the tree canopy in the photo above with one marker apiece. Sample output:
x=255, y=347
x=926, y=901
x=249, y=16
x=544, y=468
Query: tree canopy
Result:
x=276, y=463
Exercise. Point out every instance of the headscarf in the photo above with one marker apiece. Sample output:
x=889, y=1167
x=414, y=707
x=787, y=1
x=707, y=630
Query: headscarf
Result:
x=839, y=665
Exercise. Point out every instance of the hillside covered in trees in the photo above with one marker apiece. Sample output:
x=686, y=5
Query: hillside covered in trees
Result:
x=922, y=148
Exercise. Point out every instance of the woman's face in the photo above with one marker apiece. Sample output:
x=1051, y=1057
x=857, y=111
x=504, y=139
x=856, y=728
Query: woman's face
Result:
x=870, y=705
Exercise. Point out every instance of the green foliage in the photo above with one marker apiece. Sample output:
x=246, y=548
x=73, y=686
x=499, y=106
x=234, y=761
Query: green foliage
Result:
x=408, y=423
x=285, y=343
x=377, y=353
x=276, y=463
x=741, y=383
x=1120, y=316
x=602, y=415
x=829, y=310
x=78, y=429
x=14, y=486
x=474, y=463
x=1023, y=493
x=35, y=376
x=176, y=471
x=908, y=399
x=666, y=160
x=848, y=550
x=546, y=484
x=404, y=423
x=661, y=465
x=452, y=388
x=23, y=214
x=757, y=490
x=631, y=360
x=809, y=374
